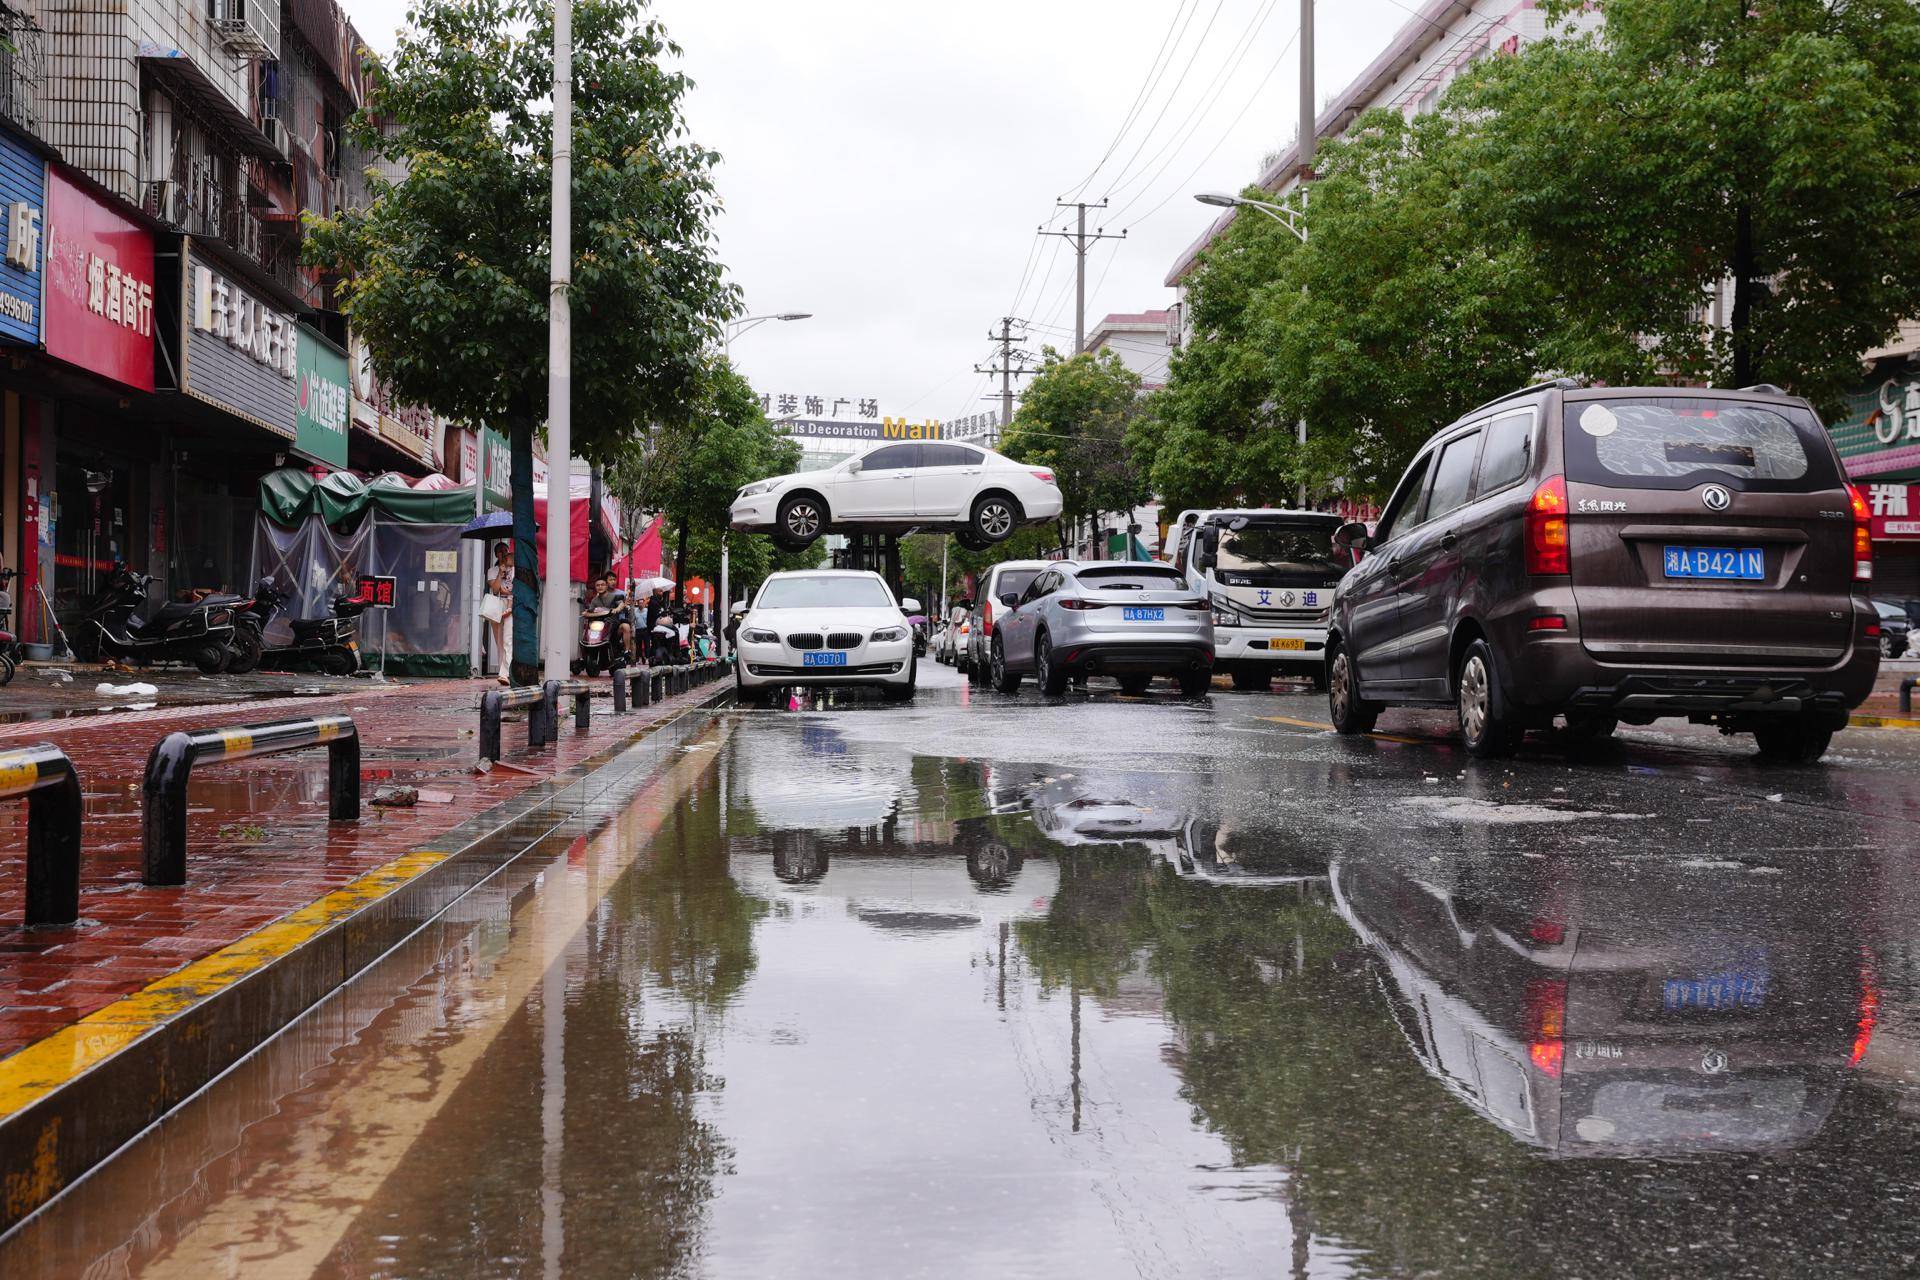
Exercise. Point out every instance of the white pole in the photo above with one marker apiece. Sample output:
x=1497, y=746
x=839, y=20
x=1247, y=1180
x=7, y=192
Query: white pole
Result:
x=555, y=615
x=945, y=543
x=726, y=600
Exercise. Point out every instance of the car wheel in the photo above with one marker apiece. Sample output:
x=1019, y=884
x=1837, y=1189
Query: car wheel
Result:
x=802, y=519
x=902, y=692
x=995, y=517
x=1886, y=646
x=1251, y=679
x=1792, y=741
x=1350, y=712
x=1134, y=686
x=1004, y=681
x=1195, y=684
x=970, y=541
x=1048, y=674
x=1484, y=728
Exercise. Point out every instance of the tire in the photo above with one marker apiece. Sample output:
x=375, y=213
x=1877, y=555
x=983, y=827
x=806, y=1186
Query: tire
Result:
x=1194, y=684
x=1350, y=712
x=7, y=667
x=212, y=658
x=1048, y=674
x=903, y=692
x=1251, y=679
x=994, y=519
x=970, y=541
x=1004, y=681
x=246, y=649
x=1486, y=730
x=1134, y=686
x=802, y=519
x=1886, y=646
x=335, y=663
x=1791, y=741
x=977, y=674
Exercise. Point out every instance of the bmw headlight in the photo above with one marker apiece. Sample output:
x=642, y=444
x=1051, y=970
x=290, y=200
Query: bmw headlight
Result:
x=759, y=486
x=885, y=634
x=759, y=635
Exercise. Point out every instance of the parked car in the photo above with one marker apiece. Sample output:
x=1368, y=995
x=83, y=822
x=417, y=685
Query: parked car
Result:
x=1895, y=628
x=1615, y=554
x=1008, y=577
x=826, y=627
x=1125, y=619
x=978, y=495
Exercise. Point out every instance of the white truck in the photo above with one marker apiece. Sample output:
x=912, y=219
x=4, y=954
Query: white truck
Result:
x=1270, y=573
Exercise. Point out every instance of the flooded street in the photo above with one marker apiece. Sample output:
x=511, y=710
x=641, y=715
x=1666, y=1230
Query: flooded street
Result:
x=986, y=990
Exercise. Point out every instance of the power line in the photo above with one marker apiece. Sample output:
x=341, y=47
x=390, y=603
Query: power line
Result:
x=1081, y=240
x=1171, y=94
x=1154, y=70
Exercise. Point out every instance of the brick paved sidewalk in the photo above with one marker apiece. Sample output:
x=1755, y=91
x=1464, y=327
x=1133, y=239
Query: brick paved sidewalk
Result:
x=259, y=843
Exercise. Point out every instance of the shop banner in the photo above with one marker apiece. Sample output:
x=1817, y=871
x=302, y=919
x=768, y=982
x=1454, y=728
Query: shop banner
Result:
x=23, y=206
x=496, y=452
x=243, y=353
x=1895, y=509
x=99, y=285
x=320, y=407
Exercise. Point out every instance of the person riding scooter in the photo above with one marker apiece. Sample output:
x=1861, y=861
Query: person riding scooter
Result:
x=608, y=603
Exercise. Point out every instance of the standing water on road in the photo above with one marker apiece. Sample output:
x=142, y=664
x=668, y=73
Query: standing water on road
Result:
x=819, y=1004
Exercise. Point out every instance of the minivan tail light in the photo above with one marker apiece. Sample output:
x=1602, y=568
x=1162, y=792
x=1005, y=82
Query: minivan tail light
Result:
x=986, y=619
x=1547, y=528
x=1862, y=535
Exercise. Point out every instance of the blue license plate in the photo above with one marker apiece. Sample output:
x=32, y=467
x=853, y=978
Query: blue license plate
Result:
x=1141, y=613
x=1743, y=564
x=1725, y=992
x=828, y=658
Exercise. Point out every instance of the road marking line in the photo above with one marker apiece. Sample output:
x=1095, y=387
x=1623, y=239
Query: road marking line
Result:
x=49, y=1063
x=1321, y=724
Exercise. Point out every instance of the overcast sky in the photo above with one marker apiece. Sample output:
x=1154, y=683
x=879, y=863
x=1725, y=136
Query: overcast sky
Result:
x=886, y=163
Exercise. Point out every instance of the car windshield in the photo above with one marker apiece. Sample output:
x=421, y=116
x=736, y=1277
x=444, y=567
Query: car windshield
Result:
x=1295, y=549
x=1677, y=442
x=823, y=592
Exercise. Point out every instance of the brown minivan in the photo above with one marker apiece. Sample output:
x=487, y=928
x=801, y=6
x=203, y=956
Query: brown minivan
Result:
x=1615, y=554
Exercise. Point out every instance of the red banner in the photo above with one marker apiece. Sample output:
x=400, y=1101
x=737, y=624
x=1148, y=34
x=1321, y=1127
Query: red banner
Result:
x=1895, y=509
x=99, y=283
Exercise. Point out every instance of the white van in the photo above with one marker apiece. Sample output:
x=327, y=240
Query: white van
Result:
x=1270, y=574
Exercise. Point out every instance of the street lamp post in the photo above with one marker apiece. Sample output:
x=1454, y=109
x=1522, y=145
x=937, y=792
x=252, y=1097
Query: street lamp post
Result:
x=1295, y=221
x=745, y=323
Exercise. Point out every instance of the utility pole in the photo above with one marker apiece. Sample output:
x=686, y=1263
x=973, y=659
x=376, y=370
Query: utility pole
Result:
x=1006, y=369
x=1309, y=141
x=556, y=618
x=1081, y=240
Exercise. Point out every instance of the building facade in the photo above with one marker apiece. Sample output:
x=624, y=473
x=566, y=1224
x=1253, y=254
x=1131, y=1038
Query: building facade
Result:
x=165, y=347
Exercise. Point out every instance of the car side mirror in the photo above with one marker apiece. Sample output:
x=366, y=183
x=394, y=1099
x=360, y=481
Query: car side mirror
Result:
x=1009, y=599
x=909, y=605
x=853, y=466
x=1351, y=536
x=1203, y=551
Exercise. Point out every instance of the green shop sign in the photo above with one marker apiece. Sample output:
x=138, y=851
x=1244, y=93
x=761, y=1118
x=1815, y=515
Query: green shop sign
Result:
x=496, y=468
x=321, y=400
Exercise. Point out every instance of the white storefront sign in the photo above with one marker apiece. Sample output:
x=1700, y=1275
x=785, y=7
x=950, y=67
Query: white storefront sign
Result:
x=248, y=325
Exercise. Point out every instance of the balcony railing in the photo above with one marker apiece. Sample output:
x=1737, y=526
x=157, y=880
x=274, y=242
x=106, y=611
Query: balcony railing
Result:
x=250, y=28
x=20, y=69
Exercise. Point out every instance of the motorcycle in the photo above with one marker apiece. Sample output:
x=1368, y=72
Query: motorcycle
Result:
x=327, y=644
x=10, y=650
x=600, y=647
x=196, y=632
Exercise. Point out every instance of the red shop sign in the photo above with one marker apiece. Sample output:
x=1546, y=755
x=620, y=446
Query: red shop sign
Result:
x=99, y=282
x=1895, y=509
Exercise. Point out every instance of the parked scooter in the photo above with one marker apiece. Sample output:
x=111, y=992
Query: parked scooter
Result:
x=600, y=646
x=327, y=644
x=200, y=633
x=10, y=651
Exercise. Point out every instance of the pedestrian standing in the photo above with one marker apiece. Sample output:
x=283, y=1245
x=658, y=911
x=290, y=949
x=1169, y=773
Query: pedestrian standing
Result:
x=496, y=607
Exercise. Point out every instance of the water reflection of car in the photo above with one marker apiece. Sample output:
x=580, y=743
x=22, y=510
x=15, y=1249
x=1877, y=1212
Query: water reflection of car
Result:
x=1130, y=809
x=1598, y=1012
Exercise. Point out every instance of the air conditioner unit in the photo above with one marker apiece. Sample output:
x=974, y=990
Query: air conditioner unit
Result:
x=249, y=27
x=166, y=200
x=246, y=234
x=276, y=131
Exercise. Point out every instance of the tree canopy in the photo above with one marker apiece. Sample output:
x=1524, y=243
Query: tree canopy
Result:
x=1073, y=419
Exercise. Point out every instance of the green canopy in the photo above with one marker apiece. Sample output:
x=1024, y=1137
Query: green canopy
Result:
x=290, y=495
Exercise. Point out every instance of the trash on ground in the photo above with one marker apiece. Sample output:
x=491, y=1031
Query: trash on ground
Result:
x=138, y=689
x=397, y=797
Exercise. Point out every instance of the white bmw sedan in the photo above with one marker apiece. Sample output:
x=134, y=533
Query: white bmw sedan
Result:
x=979, y=495
x=825, y=627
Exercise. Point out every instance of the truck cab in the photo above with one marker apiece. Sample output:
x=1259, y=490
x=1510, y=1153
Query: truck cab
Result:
x=1270, y=573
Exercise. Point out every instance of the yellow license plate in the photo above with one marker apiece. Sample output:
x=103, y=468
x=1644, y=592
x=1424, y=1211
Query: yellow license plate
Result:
x=1286, y=644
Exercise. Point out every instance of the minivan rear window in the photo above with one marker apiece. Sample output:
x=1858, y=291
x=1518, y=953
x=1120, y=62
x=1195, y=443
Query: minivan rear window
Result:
x=1678, y=442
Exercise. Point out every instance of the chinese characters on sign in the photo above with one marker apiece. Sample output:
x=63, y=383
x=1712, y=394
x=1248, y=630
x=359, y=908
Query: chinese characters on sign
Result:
x=376, y=589
x=787, y=405
x=974, y=424
x=225, y=310
x=1899, y=412
x=23, y=194
x=23, y=235
x=1893, y=508
x=99, y=282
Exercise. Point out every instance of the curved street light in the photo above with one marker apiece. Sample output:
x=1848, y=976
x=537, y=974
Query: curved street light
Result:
x=1292, y=219
x=745, y=323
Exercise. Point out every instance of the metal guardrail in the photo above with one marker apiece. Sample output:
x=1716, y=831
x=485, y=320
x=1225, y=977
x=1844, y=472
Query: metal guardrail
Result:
x=631, y=688
x=496, y=701
x=43, y=774
x=171, y=764
x=582, y=694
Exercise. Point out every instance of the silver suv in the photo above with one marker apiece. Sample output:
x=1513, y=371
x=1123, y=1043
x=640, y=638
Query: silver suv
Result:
x=1129, y=620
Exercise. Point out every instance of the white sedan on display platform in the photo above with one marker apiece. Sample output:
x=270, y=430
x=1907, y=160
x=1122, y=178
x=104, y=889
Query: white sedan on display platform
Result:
x=978, y=495
x=824, y=627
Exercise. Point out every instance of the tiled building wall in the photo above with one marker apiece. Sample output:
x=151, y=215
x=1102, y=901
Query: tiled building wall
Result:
x=168, y=27
x=90, y=103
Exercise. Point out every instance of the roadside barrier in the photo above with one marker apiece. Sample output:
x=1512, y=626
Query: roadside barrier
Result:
x=1906, y=695
x=495, y=701
x=635, y=687
x=43, y=774
x=582, y=694
x=171, y=764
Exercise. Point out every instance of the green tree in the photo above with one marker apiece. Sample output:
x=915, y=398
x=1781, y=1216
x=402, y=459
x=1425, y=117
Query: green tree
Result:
x=445, y=274
x=1765, y=143
x=1073, y=419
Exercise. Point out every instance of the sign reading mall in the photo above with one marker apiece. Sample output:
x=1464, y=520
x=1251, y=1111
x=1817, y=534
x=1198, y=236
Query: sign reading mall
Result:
x=885, y=429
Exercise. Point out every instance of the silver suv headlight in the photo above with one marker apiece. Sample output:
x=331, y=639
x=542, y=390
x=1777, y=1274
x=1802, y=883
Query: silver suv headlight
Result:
x=885, y=634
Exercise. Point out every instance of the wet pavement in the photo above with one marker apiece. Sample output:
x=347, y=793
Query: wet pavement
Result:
x=987, y=986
